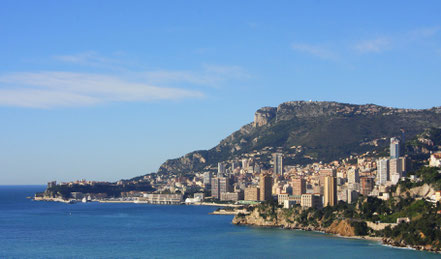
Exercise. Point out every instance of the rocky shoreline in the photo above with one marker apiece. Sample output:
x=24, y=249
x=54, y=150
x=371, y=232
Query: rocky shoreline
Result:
x=339, y=228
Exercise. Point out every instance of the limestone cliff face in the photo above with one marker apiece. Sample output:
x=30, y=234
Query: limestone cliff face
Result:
x=264, y=115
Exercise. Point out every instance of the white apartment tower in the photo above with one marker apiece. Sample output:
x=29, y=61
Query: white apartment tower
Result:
x=382, y=171
x=278, y=163
x=394, y=148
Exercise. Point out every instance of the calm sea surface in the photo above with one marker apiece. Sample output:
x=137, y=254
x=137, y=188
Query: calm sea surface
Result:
x=30, y=229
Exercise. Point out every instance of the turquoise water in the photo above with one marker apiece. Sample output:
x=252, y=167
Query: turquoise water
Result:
x=30, y=229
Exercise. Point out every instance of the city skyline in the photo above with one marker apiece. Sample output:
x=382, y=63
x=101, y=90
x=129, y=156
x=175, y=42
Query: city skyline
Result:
x=88, y=91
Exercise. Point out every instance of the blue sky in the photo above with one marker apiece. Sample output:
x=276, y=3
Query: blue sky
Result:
x=106, y=90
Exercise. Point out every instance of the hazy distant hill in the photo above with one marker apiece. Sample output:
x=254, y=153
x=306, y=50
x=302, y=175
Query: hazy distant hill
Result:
x=325, y=131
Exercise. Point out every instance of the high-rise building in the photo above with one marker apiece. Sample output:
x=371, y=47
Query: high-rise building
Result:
x=278, y=163
x=298, y=186
x=221, y=170
x=395, y=169
x=207, y=179
x=353, y=176
x=220, y=185
x=383, y=171
x=322, y=174
x=367, y=185
x=394, y=148
x=266, y=184
x=330, y=191
x=252, y=193
x=310, y=200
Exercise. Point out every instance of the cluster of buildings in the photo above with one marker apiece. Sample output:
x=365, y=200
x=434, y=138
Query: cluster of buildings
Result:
x=314, y=185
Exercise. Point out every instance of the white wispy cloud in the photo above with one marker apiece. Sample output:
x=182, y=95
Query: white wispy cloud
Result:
x=209, y=75
x=88, y=58
x=374, y=45
x=56, y=89
x=424, y=32
x=315, y=50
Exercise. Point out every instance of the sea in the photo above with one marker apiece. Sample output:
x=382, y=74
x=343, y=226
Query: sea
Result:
x=38, y=229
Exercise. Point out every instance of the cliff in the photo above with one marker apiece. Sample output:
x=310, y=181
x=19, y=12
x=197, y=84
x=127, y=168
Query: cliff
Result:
x=358, y=220
x=282, y=219
x=309, y=132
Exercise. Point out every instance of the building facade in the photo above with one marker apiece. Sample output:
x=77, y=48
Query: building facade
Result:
x=278, y=163
x=330, y=191
x=252, y=194
x=266, y=184
x=298, y=186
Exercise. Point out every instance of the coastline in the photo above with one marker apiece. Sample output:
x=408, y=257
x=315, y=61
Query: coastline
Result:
x=381, y=240
x=213, y=204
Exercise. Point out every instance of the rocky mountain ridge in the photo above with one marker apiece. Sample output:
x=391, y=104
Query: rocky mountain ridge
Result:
x=324, y=130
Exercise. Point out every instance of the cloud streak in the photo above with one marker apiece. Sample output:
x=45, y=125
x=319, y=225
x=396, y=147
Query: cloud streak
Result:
x=210, y=75
x=375, y=45
x=60, y=89
x=315, y=50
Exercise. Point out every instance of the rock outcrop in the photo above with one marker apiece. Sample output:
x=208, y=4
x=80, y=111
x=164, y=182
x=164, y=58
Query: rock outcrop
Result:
x=281, y=219
x=264, y=115
x=424, y=191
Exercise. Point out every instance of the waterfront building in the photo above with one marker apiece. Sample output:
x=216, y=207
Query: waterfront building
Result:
x=330, y=191
x=156, y=198
x=266, y=183
x=232, y=196
x=298, y=186
x=309, y=200
x=282, y=197
x=287, y=204
x=51, y=184
x=394, y=148
x=383, y=171
x=278, y=163
x=252, y=194
x=220, y=185
x=296, y=198
x=199, y=195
